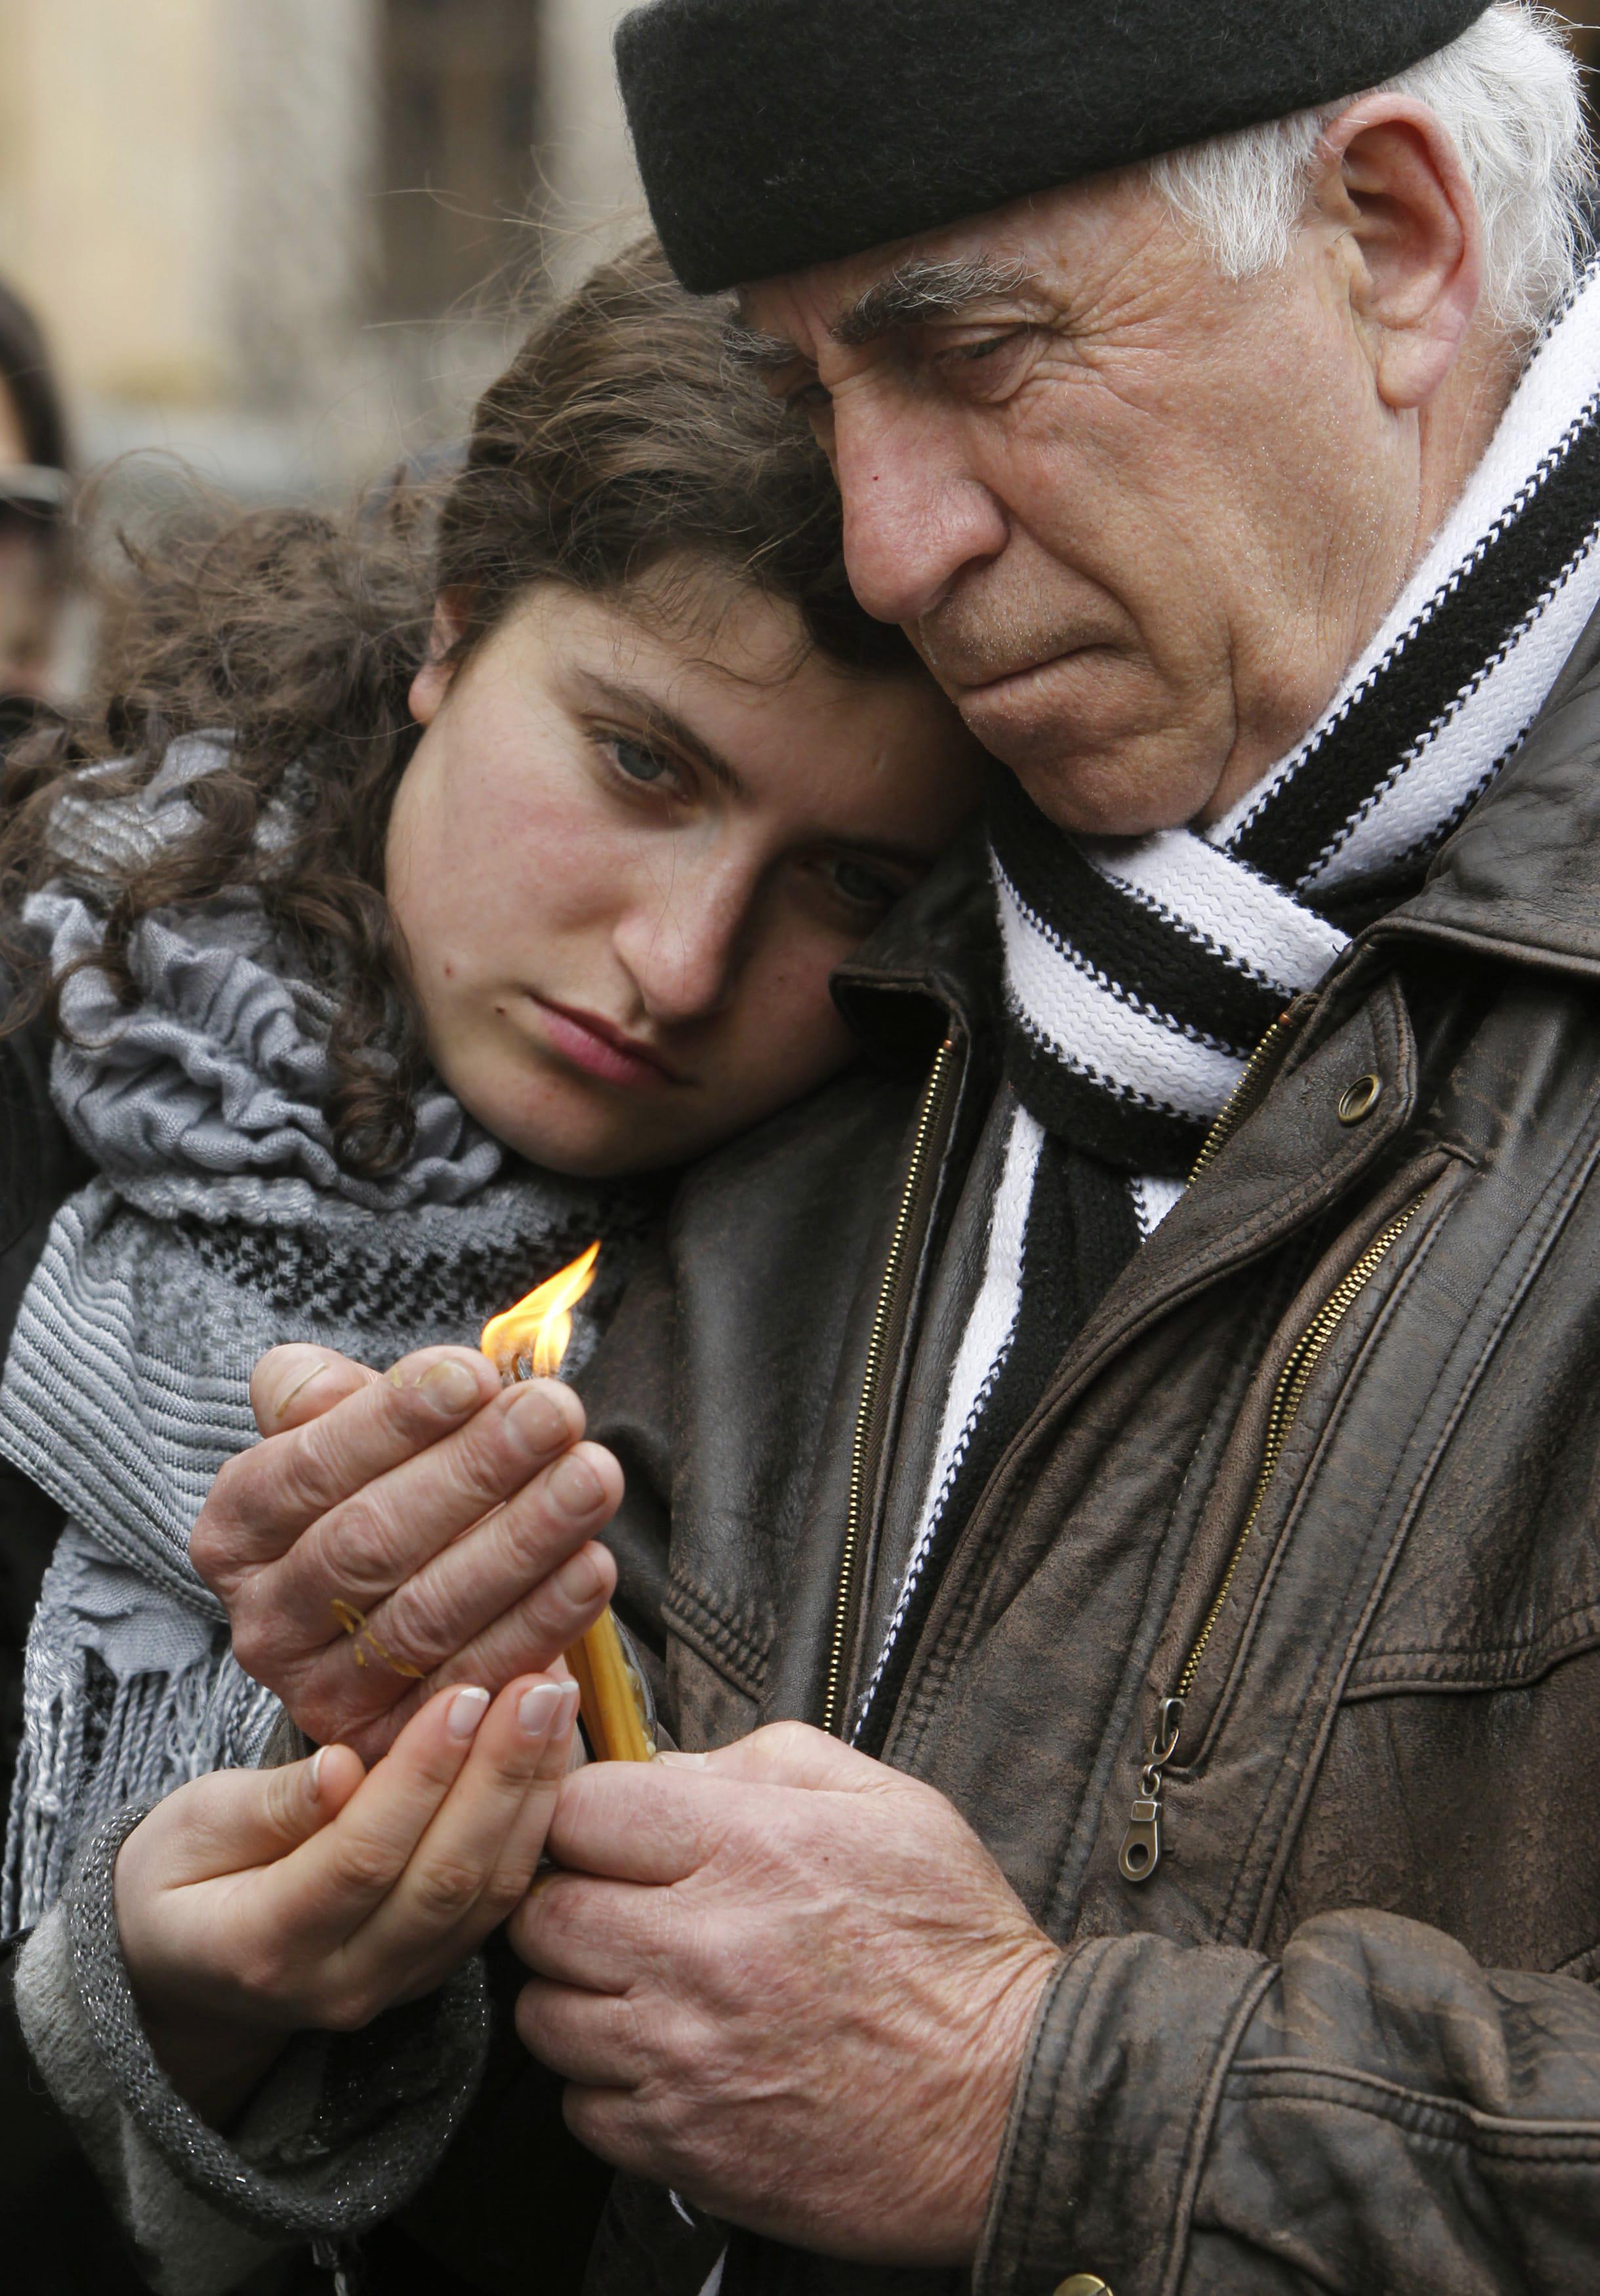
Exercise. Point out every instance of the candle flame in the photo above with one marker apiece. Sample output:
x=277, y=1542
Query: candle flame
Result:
x=529, y=1340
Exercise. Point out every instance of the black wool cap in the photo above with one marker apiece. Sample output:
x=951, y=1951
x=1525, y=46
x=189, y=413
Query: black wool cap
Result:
x=775, y=134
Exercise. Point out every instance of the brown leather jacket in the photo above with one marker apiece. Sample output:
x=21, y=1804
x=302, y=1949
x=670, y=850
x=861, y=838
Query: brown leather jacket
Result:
x=1326, y=1462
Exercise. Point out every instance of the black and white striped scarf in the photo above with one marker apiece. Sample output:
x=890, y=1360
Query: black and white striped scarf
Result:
x=1141, y=972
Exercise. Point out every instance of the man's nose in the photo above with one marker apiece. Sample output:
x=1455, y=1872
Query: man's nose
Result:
x=681, y=943
x=914, y=516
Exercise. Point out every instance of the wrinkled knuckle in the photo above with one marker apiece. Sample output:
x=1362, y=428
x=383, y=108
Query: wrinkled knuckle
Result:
x=206, y=1550
x=644, y=2037
x=541, y=1625
x=222, y=1501
x=535, y=1537
x=413, y=1626
x=788, y=1739
x=360, y=1536
x=318, y=1462
x=253, y=1644
x=585, y=2120
x=214, y=1537
x=248, y=1645
x=557, y=1915
x=316, y=1715
x=255, y=1491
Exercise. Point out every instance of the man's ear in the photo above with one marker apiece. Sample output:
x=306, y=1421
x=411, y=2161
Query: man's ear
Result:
x=1391, y=183
x=432, y=682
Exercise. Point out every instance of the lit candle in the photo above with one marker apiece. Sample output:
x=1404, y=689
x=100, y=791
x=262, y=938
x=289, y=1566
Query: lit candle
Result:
x=528, y=1341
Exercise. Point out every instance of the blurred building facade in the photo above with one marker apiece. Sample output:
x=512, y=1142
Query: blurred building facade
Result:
x=289, y=238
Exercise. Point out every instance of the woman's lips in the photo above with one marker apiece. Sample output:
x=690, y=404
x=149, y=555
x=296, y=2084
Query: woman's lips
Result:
x=585, y=1041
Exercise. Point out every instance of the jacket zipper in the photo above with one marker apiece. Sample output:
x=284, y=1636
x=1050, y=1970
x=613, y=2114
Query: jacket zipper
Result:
x=866, y=1447
x=864, y=1450
x=1243, y=1099
x=1141, y=1851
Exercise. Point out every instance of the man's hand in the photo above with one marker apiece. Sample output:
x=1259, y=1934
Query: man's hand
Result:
x=790, y=1984
x=453, y=1523
x=252, y=1903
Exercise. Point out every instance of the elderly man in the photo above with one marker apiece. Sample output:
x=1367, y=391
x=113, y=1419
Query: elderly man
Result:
x=1174, y=1866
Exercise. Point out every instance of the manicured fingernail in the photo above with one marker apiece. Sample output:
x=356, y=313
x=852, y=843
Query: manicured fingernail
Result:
x=682, y=1761
x=579, y=1579
x=569, y=1705
x=467, y=1709
x=537, y=1709
x=575, y=1486
x=317, y=1760
x=449, y=1387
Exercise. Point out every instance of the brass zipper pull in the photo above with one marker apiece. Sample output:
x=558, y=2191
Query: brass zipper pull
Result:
x=1141, y=1851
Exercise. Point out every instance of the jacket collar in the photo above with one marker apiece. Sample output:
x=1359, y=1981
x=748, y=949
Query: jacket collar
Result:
x=1520, y=880
x=932, y=969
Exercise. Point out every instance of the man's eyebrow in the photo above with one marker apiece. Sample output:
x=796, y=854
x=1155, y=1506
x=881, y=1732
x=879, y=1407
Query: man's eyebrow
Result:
x=911, y=295
x=919, y=291
x=758, y=353
x=653, y=718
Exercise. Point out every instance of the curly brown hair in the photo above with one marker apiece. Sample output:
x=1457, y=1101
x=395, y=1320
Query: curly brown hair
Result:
x=620, y=436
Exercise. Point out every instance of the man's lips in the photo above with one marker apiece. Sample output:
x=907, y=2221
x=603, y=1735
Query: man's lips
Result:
x=586, y=1041
x=984, y=681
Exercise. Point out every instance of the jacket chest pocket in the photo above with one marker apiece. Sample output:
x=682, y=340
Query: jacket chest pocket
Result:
x=1470, y=1810
x=1468, y=1735
x=1498, y=1582
x=1272, y=1576
x=1401, y=1679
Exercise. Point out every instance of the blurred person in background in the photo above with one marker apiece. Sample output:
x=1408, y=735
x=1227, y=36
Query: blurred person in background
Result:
x=35, y=489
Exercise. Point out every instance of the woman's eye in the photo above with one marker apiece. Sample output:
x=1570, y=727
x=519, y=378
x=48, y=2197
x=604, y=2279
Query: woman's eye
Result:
x=862, y=887
x=638, y=762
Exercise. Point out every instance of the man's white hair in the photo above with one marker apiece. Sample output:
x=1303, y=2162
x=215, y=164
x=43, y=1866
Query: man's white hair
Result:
x=1506, y=92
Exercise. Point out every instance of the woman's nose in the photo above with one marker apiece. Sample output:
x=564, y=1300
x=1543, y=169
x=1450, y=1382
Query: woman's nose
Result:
x=681, y=944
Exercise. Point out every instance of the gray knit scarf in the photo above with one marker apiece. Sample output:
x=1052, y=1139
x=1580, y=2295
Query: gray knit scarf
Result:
x=219, y=1223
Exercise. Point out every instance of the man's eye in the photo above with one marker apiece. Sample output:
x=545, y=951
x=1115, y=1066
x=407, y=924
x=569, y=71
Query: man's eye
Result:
x=985, y=363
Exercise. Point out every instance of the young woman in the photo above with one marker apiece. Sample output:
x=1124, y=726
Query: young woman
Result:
x=398, y=915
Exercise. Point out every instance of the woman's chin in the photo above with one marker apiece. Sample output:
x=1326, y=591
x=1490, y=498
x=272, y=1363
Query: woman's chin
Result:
x=567, y=1128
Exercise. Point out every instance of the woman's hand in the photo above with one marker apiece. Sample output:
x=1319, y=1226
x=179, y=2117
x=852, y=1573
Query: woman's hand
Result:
x=252, y=1903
